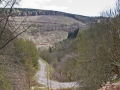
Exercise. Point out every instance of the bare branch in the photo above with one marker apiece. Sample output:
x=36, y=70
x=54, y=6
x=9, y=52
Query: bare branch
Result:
x=14, y=37
x=7, y=20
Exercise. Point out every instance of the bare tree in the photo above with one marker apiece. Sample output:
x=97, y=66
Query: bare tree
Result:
x=10, y=29
x=8, y=23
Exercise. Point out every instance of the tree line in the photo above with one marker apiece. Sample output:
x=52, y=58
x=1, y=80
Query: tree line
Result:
x=37, y=12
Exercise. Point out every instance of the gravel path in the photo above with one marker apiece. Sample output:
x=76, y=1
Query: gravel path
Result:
x=41, y=77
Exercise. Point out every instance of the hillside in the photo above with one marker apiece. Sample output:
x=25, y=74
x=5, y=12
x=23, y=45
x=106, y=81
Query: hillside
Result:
x=49, y=27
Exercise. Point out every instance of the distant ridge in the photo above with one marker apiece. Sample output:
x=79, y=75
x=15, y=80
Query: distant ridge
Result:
x=37, y=12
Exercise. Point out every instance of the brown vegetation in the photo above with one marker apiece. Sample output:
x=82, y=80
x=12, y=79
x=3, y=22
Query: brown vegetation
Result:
x=114, y=86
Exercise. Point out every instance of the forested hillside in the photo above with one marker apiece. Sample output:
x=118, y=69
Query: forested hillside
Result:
x=99, y=50
x=92, y=57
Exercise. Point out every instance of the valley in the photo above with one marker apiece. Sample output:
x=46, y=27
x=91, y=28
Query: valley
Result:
x=44, y=49
x=47, y=30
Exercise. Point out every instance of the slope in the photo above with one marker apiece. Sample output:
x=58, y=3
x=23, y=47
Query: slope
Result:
x=49, y=27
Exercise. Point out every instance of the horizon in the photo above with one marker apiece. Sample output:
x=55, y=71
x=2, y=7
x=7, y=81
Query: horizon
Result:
x=79, y=7
x=57, y=11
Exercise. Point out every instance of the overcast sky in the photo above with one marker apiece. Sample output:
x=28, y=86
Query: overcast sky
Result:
x=81, y=7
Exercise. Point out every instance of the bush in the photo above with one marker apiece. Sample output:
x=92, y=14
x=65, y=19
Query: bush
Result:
x=27, y=52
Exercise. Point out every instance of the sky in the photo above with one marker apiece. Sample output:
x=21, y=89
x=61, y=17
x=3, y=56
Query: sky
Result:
x=80, y=7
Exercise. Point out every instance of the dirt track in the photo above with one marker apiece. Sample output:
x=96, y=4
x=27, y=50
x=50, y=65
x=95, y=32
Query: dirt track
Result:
x=41, y=77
